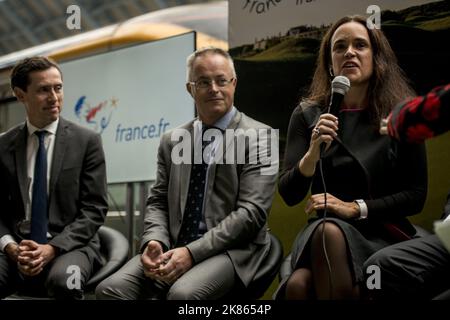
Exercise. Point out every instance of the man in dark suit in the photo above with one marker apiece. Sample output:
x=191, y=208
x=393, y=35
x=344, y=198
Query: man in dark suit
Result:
x=52, y=191
x=205, y=229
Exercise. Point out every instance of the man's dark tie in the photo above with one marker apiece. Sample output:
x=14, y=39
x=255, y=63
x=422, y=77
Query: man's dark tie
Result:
x=194, y=203
x=39, y=202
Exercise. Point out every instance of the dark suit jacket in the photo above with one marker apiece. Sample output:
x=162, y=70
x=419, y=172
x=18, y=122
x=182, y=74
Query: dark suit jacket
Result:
x=77, y=189
x=237, y=202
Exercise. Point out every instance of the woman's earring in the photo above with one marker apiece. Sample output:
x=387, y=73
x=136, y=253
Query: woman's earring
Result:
x=331, y=72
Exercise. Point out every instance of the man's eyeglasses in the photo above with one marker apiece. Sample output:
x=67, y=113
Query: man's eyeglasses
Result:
x=207, y=83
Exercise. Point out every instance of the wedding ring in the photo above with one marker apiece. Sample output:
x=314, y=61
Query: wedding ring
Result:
x=317, y=130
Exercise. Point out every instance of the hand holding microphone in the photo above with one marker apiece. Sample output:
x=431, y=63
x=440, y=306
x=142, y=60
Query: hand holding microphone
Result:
x=323, y=133
x=326, y=127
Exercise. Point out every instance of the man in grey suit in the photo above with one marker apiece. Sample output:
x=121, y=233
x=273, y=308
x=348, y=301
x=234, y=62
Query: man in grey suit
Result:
x=205, y=230
x=52, y=191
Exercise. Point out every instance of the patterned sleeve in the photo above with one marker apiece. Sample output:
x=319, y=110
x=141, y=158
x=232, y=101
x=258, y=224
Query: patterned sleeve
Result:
x=422, y=117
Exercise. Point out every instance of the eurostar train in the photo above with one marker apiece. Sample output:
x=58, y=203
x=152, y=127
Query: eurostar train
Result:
x=209, y=20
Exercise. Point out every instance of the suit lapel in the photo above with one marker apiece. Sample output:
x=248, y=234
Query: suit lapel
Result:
x=58, y=153
x=20, y=156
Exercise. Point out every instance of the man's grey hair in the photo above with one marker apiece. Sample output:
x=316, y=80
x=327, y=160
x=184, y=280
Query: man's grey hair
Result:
x=202, y=52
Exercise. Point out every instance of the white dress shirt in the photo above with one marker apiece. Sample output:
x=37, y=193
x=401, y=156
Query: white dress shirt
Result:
x=32, y=148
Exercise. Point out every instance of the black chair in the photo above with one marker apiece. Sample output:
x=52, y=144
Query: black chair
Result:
x=265, y=275
x=114, y=250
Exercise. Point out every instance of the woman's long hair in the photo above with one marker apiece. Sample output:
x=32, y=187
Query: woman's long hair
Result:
x=388, y=84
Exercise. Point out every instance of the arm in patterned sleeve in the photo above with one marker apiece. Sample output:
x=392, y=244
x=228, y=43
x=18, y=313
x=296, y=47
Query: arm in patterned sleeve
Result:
x=422, y=117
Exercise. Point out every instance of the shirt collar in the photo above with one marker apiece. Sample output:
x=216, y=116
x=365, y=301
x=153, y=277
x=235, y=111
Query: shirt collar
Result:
x=224, y=122
x=52, y=127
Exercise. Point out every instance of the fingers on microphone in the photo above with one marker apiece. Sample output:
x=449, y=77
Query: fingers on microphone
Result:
x=323, y=124
x=328, y=116
x=330, y=124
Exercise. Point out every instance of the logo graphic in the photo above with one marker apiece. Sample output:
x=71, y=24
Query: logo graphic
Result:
x=374, y=279
x=374, y=21
x=97, y=117
x=74, y=279
x=234, y=146
x=73, y=22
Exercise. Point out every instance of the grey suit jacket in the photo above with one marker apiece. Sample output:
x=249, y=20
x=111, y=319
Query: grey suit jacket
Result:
x=237, y=202
x=77, y=190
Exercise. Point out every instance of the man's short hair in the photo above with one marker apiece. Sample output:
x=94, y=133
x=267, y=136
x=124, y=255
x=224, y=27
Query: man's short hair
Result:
x=202, y=52
x=21, y=71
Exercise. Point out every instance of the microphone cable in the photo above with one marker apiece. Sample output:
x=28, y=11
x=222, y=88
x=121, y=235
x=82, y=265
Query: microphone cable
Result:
x=340, y=86
x=324, y=218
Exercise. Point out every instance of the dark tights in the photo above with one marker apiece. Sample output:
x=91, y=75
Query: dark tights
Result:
x=315, y=280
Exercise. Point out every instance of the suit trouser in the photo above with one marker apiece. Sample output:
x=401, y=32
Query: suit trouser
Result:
x=209, y=279
x=59, y=279
x=414, y=269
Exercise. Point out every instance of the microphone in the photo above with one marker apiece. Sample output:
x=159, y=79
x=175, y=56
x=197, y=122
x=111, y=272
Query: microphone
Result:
x=339, y=87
